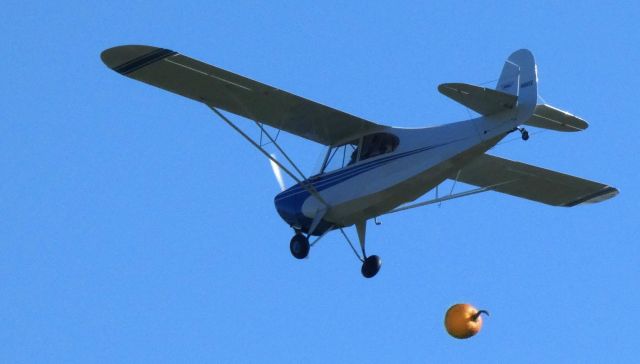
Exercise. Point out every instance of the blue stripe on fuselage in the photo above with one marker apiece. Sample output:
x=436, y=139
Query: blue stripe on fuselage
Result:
x=289, y=203
x=331, y=179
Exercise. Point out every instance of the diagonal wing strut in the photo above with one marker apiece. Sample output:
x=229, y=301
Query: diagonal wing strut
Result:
x=307, y=186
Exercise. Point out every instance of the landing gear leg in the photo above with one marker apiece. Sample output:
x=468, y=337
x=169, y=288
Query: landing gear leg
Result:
x=371, y=264
x=299, y=246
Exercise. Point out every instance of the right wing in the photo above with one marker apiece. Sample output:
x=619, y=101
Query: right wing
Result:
x=222, y=89
x=533, y=183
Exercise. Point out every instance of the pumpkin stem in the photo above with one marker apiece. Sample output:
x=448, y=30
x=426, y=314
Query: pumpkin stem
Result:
x=475, y=317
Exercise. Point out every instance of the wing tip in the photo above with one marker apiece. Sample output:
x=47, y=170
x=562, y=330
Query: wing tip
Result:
x=129, y=58
x=598, y=196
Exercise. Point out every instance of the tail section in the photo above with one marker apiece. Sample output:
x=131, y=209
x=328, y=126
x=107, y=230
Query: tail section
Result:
x=519, y=78
x=482, y=100
x=517, y=90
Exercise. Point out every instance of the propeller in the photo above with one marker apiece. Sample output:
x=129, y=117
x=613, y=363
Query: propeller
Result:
x=277, y=172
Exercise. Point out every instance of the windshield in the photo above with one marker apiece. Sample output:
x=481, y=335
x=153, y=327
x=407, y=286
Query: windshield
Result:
x=341, y=156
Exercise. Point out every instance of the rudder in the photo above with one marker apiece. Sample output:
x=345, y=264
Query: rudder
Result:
x=519, y=77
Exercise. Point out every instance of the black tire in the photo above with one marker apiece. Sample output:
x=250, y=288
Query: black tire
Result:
x=299, y=246
x=371, y=266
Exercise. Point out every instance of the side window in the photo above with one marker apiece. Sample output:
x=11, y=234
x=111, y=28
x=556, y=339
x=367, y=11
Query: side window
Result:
x=341, y=156
x=376, y=144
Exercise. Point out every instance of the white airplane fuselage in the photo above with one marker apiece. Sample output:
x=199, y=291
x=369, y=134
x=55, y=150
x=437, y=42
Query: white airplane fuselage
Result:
x=423, y=159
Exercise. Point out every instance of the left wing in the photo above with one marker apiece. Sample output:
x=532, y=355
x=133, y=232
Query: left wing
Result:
x=533, y=183
x=222, y=89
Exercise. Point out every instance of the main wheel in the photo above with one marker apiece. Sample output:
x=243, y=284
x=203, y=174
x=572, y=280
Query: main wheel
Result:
x=525, y=135
x=371, y=266
x=299, y=246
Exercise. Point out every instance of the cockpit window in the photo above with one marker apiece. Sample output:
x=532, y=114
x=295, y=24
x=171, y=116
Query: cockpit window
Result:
x=341, y=156
x=366, y=147
x=376, y=144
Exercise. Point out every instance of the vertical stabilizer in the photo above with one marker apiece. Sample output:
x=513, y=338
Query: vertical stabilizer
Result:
x=519, y=77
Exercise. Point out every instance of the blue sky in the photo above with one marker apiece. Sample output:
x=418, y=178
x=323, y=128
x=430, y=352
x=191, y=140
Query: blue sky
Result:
x=136, y=227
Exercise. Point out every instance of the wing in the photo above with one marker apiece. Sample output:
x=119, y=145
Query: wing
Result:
x=533, y=183
x=222, y=89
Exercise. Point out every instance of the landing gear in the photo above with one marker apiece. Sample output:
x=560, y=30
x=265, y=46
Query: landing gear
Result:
x=299, y=246
x=523, y=133
x=371, y=266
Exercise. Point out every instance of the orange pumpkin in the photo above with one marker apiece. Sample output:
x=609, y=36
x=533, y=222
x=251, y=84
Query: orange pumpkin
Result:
x=462, y=320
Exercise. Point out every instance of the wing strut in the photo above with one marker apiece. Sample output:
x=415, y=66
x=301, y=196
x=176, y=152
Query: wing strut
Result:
x=263, y=130
x=307, y=186
x=351, y=245
x=448, y=197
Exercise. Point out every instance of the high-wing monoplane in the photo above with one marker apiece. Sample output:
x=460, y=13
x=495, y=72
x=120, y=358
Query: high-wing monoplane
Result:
x=371, y=169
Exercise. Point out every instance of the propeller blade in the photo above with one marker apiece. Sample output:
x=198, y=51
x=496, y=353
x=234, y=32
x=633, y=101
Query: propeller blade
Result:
x=277, y=172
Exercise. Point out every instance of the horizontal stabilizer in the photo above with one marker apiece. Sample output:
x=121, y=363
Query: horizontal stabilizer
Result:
x=482, y=100
x=533, y=183
x=548, y=117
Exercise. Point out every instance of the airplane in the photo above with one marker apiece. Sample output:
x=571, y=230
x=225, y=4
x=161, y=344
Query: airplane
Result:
x=371, y=169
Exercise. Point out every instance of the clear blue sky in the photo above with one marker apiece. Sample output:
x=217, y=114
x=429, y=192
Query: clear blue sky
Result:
x=136, y=227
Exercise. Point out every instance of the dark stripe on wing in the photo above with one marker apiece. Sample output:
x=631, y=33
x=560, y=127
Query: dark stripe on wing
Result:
x=144, y=60
x=602, y=192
